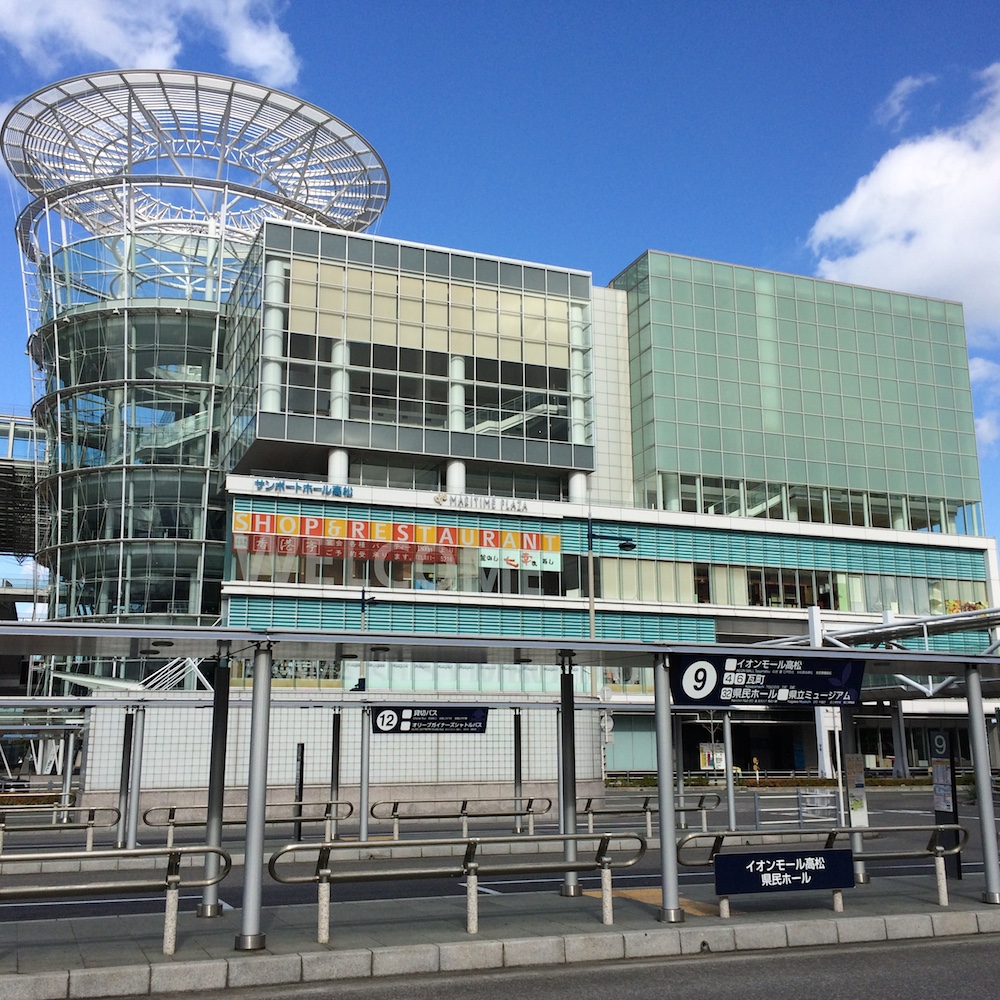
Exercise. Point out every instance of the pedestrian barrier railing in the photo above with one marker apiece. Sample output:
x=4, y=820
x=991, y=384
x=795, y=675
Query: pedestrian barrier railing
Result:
x=649, y=807
x=175, y=818
x=460, y=811
x=697, y=850
x=169, y=880
x=805, y=805
x=55, y=818
x=455, y=858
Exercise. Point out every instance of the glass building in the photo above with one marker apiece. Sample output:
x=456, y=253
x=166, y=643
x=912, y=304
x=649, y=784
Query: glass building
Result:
x=257, y=411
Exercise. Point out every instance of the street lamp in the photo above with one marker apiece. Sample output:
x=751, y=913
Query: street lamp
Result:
x=624, y=545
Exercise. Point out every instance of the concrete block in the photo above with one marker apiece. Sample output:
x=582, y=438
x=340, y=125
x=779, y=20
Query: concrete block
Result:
x=534, y=951
x=652, y=943
x=34, y=986
x=695, y=940
x=113, y=981
x=950, y=922
x=760, y=937
x=265, y=970
x=353, y=963
x=59, y=867
x=462, y=956
x=405, y=960
x=803, y=933
x=988, y=920
x=413, y=852
x=901, y=926
x=853, y=930
x=599, y=947
x=180, y=977
x=21, y=868
x=526, y=847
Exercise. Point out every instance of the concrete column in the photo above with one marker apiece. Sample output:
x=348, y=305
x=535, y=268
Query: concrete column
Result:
x=984, y=788
x=579, y=395
x=272, y=347
x=670, y=911
x=454, y=476
x=567, y=739
x=250, y=938
x=210, y=906
x=339, y=381
x=337, y=466
x=135, y=785
x=578, y=487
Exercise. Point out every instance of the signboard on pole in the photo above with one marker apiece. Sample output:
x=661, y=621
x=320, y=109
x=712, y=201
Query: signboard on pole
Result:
x=945, y=793
x=398, y=719
x=781, y=871
x=785, y=680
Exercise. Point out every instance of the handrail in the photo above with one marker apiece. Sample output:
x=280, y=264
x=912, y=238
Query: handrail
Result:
x=334, y=810
x=89, y=824
x=650, y=807
x=399, y=811
x=716, y=841
x=469, y=865
x=171, y=881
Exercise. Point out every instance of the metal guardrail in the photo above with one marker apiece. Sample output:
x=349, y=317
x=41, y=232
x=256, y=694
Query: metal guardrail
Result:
x=175, y=818
x=804, y=805
x=170, y=882
x=447, y=864
x=649, y=807
x=12, y=820
x=716, y=841
x=406, y=809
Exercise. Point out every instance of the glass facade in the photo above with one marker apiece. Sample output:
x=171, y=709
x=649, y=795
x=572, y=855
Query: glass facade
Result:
x=758, y=394
x=345, y=340
x=128, y=414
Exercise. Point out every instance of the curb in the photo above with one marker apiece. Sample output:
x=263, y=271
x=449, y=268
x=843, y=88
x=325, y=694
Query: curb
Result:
x=413, y=959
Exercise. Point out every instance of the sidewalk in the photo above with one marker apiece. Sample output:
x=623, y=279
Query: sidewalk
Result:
x=120, y=956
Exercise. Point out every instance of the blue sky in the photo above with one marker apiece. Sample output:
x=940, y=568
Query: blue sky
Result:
x=856, y=140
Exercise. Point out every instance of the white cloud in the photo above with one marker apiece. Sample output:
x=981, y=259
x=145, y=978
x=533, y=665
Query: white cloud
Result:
x=985, y=375
x=988, y=431
x=144, y=34
x=927, y=218
x=893, y=110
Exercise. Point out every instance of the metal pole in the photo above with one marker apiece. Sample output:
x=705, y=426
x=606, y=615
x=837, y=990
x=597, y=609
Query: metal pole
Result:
x=567, y=738
x=135, y=784
x=69, y=755
x=984, y=790
x=209, y=906
x=679, y=765
x=727, y=742
x=670, y=911
x=300, y=789
x=517, y=771
x=335, y=736
x=123, y=782
x=250, y=937
x=366, y=738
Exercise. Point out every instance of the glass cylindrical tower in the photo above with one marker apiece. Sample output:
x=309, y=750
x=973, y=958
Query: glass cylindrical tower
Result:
x=148, y=189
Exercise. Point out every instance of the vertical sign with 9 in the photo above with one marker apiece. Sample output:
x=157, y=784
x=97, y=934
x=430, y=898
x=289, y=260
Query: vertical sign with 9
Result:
x=699, y=679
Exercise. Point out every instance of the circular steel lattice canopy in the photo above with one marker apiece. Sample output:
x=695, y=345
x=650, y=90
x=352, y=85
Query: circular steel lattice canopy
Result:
x=187, y=150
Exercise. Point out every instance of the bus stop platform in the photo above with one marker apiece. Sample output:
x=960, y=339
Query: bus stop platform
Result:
x=121, y=955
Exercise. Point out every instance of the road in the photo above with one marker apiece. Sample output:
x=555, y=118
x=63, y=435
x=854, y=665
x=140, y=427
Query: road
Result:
x=932, y=969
